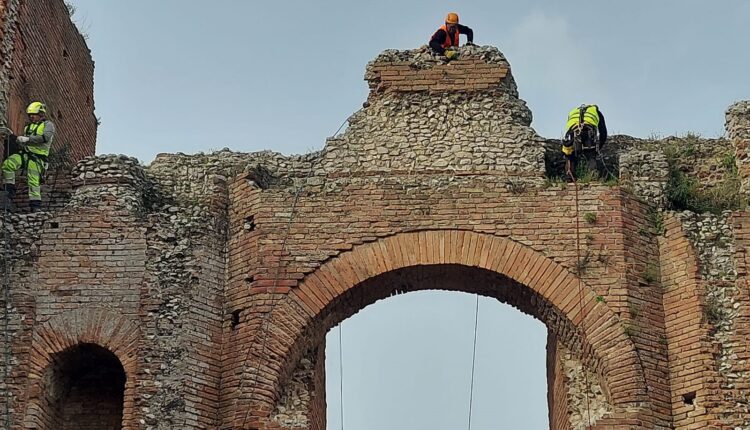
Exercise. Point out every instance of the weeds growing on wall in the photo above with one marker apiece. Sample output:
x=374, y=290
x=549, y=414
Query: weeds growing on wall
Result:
x=71, y=13
x=59, y=159
x=687, y=193
x=713, y=313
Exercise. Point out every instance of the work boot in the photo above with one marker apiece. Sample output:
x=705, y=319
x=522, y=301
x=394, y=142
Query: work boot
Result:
x=10, y=191
x=35, y=205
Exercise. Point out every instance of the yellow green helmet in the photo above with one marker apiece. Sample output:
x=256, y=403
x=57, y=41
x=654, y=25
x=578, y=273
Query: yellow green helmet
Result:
x=36, y=108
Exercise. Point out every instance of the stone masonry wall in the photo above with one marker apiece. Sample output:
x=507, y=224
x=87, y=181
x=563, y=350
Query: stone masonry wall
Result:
x=733, y=333
x=557, y=391
x=428, y=127
x=738, y=128
x=713, y=240
x=707, y=315
x=213, y=278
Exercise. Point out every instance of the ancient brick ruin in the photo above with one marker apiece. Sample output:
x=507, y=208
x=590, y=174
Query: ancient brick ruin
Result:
x=195, y=292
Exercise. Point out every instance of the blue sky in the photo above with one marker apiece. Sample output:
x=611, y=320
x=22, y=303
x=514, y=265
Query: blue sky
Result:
x=189, y=76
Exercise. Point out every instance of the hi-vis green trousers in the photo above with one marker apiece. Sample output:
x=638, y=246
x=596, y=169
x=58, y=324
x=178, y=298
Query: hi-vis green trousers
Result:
x=34, y=171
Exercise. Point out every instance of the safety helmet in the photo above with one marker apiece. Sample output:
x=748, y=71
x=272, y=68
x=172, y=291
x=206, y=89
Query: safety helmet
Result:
x=36, y=108
x=452, y=18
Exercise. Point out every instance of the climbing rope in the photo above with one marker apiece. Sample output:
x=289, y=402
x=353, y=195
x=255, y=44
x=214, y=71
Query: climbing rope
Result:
x=341, y=375
x=473, y=359
x=267, y=316
x=6, y=299
x=581, y=308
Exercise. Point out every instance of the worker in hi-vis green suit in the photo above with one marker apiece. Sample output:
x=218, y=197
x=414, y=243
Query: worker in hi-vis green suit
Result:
x=30, y=154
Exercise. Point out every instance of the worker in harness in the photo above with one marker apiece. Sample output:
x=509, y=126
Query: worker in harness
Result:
x=29, y=155
x=446, y=37
x=585, y=135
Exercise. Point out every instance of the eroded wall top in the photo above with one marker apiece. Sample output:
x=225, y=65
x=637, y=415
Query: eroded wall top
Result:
x=428, y=114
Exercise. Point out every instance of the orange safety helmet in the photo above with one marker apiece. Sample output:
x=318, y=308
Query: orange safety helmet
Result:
x=452, y=18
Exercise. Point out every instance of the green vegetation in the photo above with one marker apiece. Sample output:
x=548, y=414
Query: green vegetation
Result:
x=656, y=220
x=71, y=13
x=583, y=263
x=554, y=182
x=584, y=175
x=635, y=310
x=651, y=274
x=612, y=181
x=630, y=330
x=515, y=186
x=712, y=311
x=728, y=163
x=686, y=193
x=590, y=217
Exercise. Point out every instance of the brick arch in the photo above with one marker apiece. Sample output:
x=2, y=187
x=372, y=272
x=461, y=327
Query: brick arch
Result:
x=112, y=331
x=308, y=310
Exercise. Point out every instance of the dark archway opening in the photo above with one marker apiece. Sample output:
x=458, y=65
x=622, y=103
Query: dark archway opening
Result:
x=85, y=388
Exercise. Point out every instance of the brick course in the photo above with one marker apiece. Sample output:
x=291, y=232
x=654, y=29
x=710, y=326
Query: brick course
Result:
x=212, y=279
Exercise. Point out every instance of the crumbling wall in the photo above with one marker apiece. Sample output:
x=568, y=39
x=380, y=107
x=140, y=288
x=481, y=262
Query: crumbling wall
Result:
x=708, y=308
x=686, y=172
x=576, y=399
x=714, y=243
x=207, y=261
x=293, y=409
x=738, y=129
x=160, y=262
x=587, y=402
x=646, y=173
x=416, y=121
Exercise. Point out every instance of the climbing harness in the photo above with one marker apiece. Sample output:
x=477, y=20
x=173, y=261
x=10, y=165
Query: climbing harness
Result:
x=581, y=308
x=267, y=316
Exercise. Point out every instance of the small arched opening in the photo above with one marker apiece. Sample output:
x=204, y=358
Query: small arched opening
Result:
x=84, y=389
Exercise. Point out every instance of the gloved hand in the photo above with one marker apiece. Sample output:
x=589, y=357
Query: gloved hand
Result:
x=22, y=140
x=470, y=44
x=451, y=54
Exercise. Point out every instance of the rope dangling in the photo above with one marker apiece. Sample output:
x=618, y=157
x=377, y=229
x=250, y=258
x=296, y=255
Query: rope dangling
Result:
x=581, y=307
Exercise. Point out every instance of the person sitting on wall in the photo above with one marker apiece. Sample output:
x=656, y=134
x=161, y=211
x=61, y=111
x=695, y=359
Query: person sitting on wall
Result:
x=446, y=37
x=30, y=155
x=585, y=134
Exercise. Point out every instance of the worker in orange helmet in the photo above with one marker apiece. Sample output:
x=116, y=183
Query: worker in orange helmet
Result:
x=446, y=37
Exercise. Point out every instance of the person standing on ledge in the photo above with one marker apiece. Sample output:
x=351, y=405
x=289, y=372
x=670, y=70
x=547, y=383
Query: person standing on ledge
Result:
x=33, y=150
x=446, y=37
